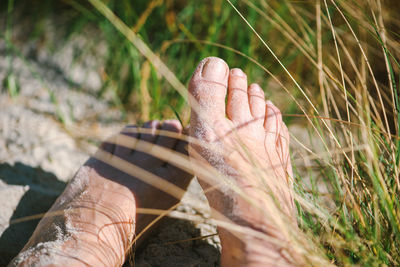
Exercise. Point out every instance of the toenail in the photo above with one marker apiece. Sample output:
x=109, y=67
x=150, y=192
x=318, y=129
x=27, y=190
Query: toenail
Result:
x=173, y=125
x=255, y=88
x=237, y=72
x=214, y=69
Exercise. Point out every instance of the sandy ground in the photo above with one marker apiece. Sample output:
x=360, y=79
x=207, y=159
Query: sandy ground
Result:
x=39, y=154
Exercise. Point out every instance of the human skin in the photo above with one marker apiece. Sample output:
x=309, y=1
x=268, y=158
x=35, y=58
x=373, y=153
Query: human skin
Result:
x=244, y=138
x=95, y=219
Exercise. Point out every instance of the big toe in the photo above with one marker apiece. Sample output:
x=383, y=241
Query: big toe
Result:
x=207, y=89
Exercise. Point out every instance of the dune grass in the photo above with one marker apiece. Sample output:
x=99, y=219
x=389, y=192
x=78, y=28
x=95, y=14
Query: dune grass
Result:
x=331, y=66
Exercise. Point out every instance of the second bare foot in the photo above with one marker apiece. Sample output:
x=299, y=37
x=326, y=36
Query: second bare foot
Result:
x=95, y=220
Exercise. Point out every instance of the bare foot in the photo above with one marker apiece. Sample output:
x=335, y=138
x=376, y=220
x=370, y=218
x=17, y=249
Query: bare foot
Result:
x=93, y=221
x=250, y=147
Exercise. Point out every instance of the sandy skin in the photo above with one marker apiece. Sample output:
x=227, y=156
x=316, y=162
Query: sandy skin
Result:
x=94, y=221
x=241, y=136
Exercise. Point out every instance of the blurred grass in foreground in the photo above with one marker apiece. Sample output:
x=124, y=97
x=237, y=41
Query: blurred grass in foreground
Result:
x=343, y=57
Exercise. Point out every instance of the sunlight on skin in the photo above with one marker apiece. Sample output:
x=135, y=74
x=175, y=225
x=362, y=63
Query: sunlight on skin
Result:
x=252, y=131
x=95, y=221
x=245, y=157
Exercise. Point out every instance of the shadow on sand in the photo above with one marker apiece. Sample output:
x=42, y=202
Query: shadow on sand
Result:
x=43, y=188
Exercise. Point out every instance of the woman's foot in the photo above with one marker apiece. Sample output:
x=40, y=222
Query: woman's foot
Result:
x=94, y=221
x=247, y=142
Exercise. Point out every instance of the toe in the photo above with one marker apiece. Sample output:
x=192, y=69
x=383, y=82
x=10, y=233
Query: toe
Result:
x=208, y=88
x=257, y=102
x=238, y=103
x=284, y=140
x=125, y=146
x=148, y=131
x=272, y=123
x=142, y=156
x=170, y=131
x=181, y=176
x=207, y=93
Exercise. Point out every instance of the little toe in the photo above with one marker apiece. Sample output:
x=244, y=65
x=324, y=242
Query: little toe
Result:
x=285, y=139
x=166, y=139
x=238, y=103
x=272, y=123
x=257, y=102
